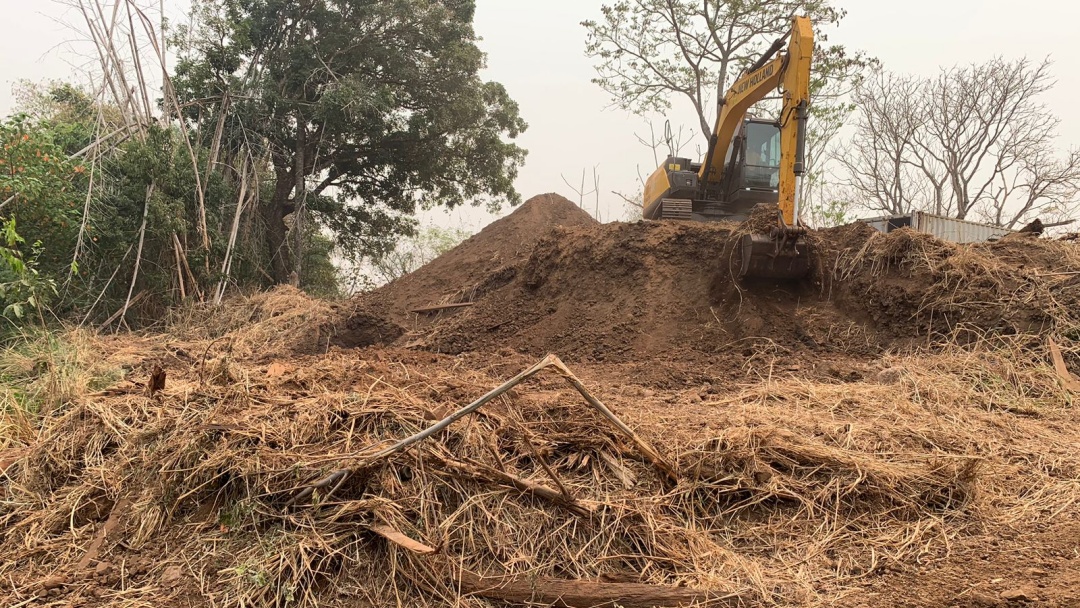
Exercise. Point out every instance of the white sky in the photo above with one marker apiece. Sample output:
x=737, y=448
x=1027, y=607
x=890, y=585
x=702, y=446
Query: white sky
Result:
x=536, y=50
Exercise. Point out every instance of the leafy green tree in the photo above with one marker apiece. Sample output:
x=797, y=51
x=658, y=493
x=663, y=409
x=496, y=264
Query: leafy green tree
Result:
x=365, y=109
x=650, y=52
x=41, y=188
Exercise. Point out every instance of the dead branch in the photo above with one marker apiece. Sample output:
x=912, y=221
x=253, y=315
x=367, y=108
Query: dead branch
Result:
x=337, y=478
x=563, y=593
x=478, y=471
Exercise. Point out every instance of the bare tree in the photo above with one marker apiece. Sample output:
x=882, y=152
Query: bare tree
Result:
x=879, y=162
x=582, y=190
x=649, y=51
x=974, y=142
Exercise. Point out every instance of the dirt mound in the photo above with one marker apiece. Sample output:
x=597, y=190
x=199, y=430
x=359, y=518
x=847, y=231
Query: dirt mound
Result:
x=908, y=283
x=481, y=262
x=620, y=292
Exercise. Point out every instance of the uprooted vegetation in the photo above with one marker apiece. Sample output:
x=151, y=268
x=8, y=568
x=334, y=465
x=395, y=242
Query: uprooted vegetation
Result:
x=900, y=415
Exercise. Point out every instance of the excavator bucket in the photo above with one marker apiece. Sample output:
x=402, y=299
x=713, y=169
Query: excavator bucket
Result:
x=775, y=256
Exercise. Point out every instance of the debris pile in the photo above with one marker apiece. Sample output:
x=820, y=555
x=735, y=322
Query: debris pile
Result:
x=896, y=431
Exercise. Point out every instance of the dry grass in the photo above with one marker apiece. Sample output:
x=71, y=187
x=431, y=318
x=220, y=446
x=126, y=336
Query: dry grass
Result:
x=791, y=490
x=1018, y=286
x=252, y=326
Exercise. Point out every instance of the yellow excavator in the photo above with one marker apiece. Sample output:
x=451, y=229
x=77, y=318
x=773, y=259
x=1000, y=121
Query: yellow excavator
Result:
x=764, y=162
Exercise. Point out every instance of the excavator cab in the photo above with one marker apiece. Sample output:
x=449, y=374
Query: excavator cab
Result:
x=752, y=178
x=753, y=175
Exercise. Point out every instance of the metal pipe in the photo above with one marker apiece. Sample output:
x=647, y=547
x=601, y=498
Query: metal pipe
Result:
x=802, y=114
x=772, y=50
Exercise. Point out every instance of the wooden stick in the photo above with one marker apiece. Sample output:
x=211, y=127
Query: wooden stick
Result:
x=401, y=540
x=187, y=268
x=339, y=477
x=226, y=264
x=480, y=471
x=666, y=469
x=139, y=250
x=1068, y=381
x=179, y=268
x=1059, y=224
x=1058, y=274
x=116, y=315
x=442, y=307
x=543, y=463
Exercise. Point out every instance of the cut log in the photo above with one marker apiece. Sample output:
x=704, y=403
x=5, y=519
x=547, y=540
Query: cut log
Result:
x=589, y=594
x=566, y=593
x=442, y=307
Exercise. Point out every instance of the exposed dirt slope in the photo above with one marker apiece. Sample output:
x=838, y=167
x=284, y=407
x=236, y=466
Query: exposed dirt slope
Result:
x=456, y=275
x=624, y=291
x=620, y=292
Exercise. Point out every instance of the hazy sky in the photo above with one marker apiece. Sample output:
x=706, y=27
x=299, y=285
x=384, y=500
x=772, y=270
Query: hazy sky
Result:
x=535, y=48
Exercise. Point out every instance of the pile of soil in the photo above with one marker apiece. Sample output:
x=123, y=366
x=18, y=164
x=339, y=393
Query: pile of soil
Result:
x=481, y=263
x=621, y=292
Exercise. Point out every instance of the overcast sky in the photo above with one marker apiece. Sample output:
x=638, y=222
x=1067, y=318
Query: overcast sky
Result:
x=535, y=48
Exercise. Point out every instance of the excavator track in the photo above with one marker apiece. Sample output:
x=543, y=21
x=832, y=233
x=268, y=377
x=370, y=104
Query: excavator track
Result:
x=676, y=209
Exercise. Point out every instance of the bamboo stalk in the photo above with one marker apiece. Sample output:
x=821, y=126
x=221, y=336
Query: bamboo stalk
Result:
x=226, y=264
x=179, y=268
x=138, y=252
x=108, y=284
x=200, y=187
x=187, y=268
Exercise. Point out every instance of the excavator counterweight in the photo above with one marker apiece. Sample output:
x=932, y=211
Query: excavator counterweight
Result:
x=751, y=161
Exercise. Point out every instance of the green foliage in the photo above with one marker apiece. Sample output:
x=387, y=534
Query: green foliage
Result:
x=40, y=187
x=309, y=130
x=22, y=288
x=367, y=110
x=320, y=277
x=37, y=189
x=832, y=212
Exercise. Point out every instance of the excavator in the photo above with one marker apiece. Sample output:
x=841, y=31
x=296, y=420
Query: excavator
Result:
x=764, y=163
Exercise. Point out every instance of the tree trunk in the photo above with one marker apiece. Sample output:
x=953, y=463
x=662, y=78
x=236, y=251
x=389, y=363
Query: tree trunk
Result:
x=299, y=199
x=276, y=232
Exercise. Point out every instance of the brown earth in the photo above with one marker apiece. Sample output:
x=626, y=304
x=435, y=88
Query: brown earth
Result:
x=625, y=292
x=481, y=263
x=894, y=431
